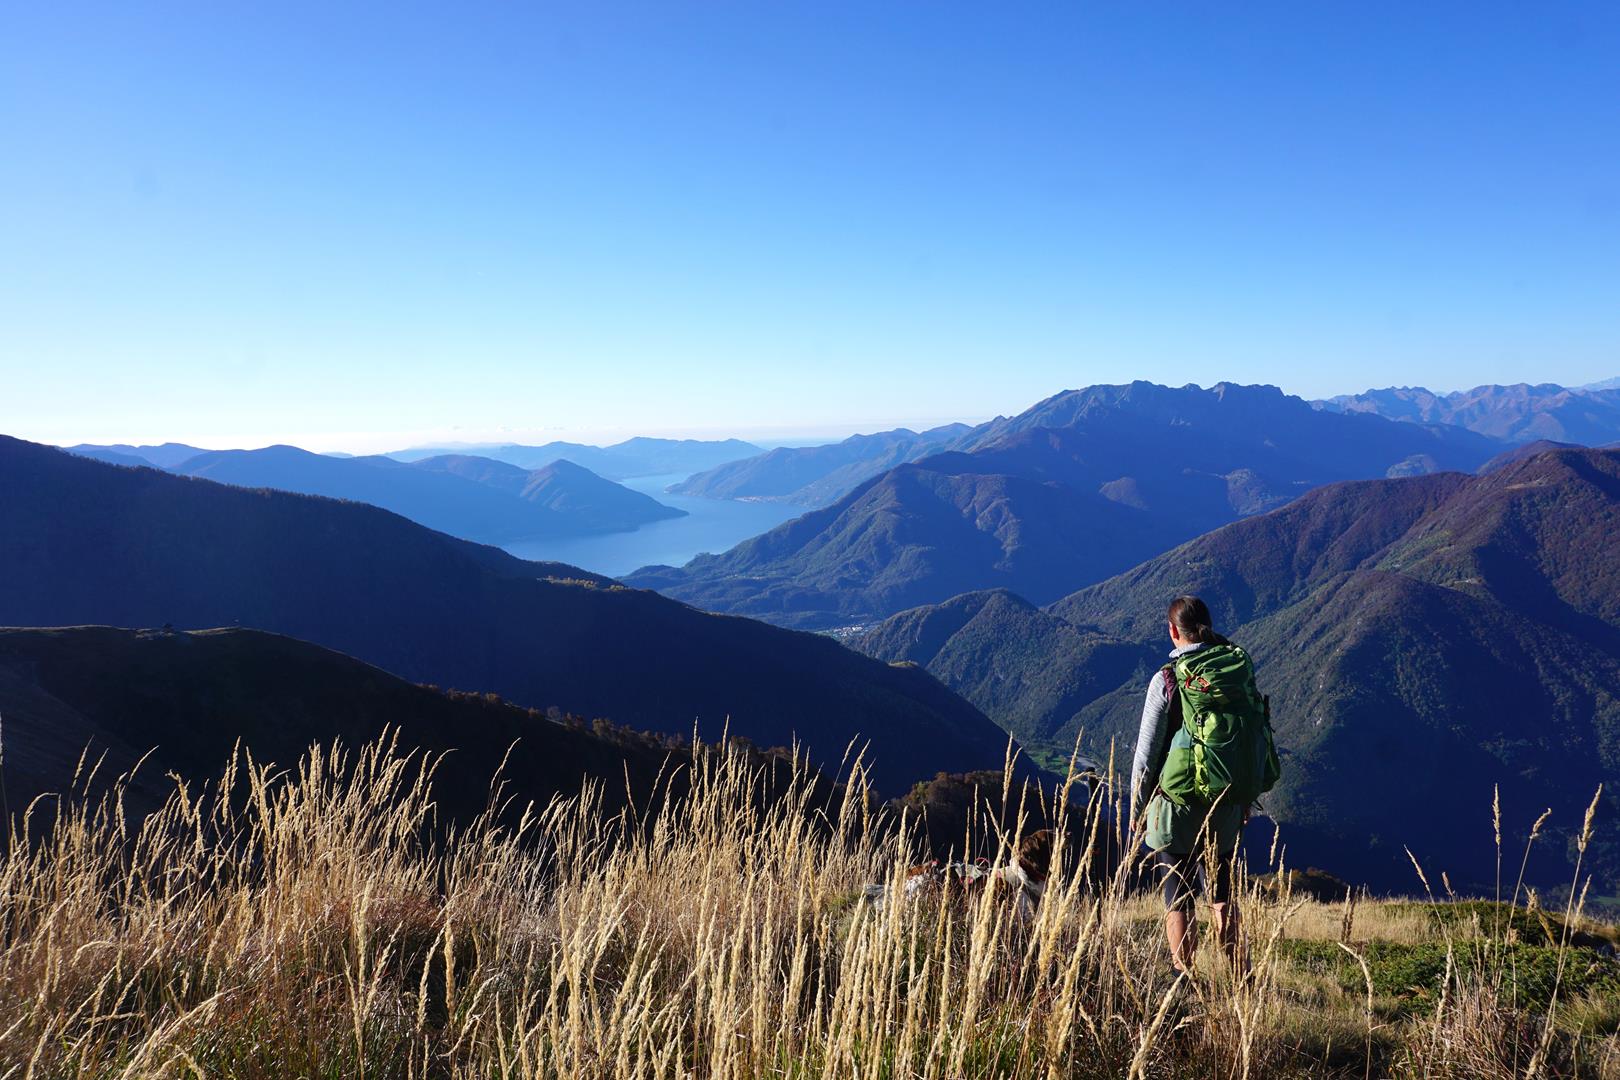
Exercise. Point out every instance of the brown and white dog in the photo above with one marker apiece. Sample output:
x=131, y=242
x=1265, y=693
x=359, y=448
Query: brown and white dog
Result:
x=1023, y=881
x=1020, y=883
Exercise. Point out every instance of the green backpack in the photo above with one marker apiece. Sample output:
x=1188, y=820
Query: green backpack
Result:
x=1224, y=748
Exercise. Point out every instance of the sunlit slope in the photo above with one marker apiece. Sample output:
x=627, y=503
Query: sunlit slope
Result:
x=1076, y=489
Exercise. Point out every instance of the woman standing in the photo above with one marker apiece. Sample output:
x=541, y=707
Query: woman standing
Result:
x=1203, y=754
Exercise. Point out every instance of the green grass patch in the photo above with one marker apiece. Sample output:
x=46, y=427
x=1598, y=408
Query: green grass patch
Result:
x=1411, y=974
x=1486, y=918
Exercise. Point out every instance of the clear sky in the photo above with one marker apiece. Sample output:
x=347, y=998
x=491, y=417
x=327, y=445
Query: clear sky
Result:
x=353, y=226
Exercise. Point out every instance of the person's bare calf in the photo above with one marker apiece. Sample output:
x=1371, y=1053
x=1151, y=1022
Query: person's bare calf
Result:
x=1227, y=932
x=1182, y=932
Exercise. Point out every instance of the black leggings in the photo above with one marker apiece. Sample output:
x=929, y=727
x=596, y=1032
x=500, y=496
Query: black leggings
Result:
x=1186, y=878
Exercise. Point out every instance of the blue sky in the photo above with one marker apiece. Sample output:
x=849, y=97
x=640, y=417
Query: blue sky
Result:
x=353, y=226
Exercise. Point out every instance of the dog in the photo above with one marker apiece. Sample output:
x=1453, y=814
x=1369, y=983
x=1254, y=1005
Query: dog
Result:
x=1020, y=883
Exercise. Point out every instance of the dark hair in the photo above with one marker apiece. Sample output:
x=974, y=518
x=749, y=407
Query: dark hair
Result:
x=1035, y=854
x=1190, y=616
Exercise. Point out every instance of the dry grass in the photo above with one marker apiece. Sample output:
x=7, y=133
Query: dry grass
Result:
x=316, y=924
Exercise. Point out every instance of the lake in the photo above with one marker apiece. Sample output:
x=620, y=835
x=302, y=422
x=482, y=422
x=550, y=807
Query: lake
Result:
x=712, y=525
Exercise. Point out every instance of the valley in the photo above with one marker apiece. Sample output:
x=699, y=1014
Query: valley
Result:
x=1454, y=578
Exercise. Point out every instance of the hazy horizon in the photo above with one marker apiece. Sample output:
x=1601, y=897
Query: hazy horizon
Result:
x=390, y=442
x=360, y=443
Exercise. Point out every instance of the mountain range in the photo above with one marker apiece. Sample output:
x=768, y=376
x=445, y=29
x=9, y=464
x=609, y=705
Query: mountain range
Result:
x=640, y=456
x=1079, y=487
x=91, y=543
x=815, y=476
x=475, y=498
x=1588, y=416
x=1428, y=582
x=163, y=456
x=1423, y=640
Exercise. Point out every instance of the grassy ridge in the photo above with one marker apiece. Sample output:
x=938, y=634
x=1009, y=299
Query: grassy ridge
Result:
x=309, y=923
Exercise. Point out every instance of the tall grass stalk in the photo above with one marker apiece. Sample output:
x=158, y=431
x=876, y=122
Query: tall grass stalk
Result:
x=320, y=921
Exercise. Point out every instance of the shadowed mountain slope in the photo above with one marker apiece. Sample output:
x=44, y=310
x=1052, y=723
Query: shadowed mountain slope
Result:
x=1082, y=486
x=818, y=475
x=192, y=697
x=1423, y=639
x=1021, y=665
x=88, y=543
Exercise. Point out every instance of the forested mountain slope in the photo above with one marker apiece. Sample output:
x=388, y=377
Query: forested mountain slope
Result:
x=1080, y=487
x=1423, y=640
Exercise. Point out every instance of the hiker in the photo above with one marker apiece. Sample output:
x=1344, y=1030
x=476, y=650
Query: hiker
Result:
x=1204, y=753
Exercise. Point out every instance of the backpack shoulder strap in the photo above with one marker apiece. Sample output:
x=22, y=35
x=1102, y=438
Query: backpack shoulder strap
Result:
x=1173, y=719
x=1172, y=691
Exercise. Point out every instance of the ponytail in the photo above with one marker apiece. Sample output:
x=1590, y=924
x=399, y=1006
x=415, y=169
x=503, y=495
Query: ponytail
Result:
x=1190, y=616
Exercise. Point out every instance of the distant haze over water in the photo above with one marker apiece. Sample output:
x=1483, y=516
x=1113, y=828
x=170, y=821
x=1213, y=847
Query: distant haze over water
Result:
x=712, y=525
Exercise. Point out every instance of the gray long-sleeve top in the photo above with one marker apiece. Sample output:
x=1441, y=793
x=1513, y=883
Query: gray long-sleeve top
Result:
x=1153, y=734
